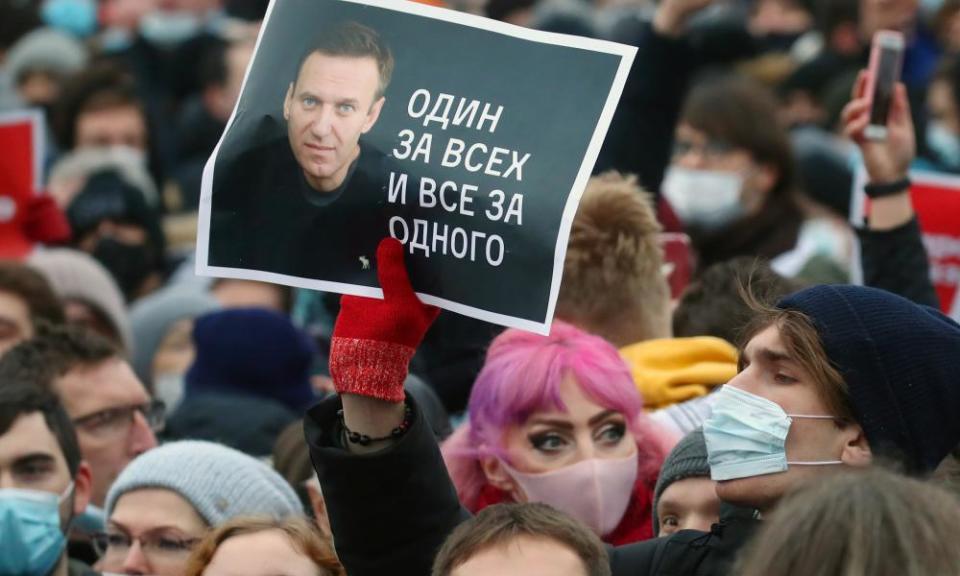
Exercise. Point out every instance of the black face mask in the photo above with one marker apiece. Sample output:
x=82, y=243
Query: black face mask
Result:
x=129, y=264
x=777, y=42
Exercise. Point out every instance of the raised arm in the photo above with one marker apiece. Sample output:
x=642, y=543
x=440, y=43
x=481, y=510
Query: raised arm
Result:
x=390, y=501
x=892, y=254
x=641, y=134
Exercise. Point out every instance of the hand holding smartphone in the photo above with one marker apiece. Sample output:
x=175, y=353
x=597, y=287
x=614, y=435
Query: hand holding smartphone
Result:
x=886, y=61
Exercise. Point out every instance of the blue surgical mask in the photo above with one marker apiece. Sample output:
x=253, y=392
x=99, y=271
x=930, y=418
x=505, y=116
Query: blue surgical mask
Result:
x=93, y=519
x=944, y=144
x=746, y=436
x=77, y=17
x=32, y=540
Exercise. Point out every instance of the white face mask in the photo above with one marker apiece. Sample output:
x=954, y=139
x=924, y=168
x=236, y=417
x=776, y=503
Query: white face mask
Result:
x=169, y=388
x=707, y=199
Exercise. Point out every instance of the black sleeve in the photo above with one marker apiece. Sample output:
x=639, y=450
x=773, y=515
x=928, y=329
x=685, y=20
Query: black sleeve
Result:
x=637, y=559
x=640, y=138
x=391, y=510
x=896, y=261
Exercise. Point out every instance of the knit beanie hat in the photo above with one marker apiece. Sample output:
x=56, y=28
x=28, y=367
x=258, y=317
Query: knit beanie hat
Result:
x=688, y=459
x=901, y=364
x=75, y=275
x=219, y=482
x=109, y=195
x=46, y=50
x=252, y=351
x=152, y=317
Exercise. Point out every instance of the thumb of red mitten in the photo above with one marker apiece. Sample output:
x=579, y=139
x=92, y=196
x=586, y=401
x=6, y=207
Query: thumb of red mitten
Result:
x=374, y=340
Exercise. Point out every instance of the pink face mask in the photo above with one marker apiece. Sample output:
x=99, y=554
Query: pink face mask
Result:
x=595, y=491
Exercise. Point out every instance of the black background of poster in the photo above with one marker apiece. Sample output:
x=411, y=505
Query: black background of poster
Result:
x=552, y=97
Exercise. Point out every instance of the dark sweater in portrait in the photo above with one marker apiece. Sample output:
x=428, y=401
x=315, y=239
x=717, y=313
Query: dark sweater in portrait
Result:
x=265, y=216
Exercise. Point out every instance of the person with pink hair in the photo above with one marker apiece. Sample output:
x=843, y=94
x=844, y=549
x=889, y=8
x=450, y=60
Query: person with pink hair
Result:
x=558, y=420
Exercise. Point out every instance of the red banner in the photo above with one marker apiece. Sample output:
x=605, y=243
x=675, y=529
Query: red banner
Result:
x=21, y=173
x=936, y=199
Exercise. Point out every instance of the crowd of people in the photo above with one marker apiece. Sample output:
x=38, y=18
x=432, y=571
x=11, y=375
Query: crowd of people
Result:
x=793, y=410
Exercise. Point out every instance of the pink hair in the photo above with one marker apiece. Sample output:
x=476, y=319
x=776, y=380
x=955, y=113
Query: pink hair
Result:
x=522, y=375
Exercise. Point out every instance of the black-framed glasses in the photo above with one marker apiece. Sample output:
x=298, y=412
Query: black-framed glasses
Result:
x=117, y=419
x=712, y=148
x=159, y=546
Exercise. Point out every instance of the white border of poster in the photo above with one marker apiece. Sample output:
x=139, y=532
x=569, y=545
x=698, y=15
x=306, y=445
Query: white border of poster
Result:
x=626, y=53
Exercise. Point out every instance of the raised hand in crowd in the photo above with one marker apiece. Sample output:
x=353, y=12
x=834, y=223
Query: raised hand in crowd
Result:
x=886, y=160
x=672, y=15
x=373, y=342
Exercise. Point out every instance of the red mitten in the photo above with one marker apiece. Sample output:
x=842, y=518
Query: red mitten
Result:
x=374, y=340
x=45, y=222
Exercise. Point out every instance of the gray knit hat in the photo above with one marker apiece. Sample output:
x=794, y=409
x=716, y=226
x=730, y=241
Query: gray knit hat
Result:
x=76, y=275
x=152, y=317
x=688, y=459
x=219, y=482
x=48, y=50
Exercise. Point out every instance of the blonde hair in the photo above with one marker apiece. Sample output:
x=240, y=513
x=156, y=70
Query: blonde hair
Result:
x=303, y=536
x=613, y=283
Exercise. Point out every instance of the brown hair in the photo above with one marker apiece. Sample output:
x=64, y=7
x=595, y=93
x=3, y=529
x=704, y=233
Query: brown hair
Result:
x=613, y=284
x=53, y=352
x=303, y=536
x=499, y=524
x=712, y=305
x=865, y=523
x=102, y=86
x=744, y=114
x=354, y=40
x=802, y=343
x=33, y=288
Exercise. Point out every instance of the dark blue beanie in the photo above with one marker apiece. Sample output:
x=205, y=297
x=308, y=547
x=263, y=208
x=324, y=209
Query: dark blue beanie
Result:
x=252, y=351
x=901, y=364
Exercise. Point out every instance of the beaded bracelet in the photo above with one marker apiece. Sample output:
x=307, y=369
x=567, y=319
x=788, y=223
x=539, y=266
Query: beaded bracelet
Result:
x=364, y=440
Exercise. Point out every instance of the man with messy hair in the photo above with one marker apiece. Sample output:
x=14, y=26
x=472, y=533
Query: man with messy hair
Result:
x=614, y=251
x=614, y=286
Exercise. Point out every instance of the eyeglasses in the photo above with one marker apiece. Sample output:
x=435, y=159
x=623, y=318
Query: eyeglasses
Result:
x=155, y=546
x=712, y=148
x=115, y=421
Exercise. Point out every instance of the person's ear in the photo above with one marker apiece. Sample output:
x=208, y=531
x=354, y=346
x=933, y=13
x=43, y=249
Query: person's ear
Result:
x=288, y=102
x=856, y=449
x=319, y=507
x=498, y=477
x=82, y=488
x=373, y=115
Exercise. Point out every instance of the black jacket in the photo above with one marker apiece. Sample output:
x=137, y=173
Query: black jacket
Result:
x=391, y=511
x=896, y=261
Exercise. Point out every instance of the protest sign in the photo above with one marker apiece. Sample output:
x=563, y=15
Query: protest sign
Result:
x=467, y=139
x=936, y=200
x=21, y=175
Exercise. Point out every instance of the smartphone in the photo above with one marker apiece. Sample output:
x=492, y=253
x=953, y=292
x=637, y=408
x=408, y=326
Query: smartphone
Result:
x=886, y=60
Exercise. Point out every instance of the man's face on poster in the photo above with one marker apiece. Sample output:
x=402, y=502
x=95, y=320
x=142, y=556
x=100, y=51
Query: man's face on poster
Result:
x=334, y=100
